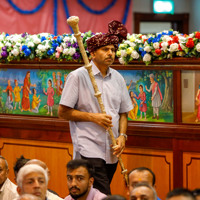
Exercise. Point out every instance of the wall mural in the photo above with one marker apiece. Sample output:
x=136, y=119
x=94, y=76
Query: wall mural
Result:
x=38, y=91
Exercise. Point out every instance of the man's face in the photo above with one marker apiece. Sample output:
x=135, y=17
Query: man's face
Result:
x=3, y=172
x=79, y=182
x=141, y=193
x=139, y=177
x=34, y=183
x=104, y=56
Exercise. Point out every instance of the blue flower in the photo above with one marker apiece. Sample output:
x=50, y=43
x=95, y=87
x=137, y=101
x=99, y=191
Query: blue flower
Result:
x=69, y=44
x=170, y=33
x=150, y=40
x=59, y=39
x=50, y=51
x=143, y=53
x=75, y=45
x=140, y=49
x=43, y=38
x=7, y=34
x=54, y=44
x=27, y=52
x=24, y=47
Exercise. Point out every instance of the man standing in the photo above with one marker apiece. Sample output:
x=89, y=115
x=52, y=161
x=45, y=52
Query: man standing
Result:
x=7, y=188
x=88, y=126
x=80, y=181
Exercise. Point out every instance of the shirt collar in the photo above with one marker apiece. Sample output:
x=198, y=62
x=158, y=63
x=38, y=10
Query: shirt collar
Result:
x=96, y=70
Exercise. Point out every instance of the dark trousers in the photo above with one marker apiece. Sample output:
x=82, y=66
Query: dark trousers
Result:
x=103, y=174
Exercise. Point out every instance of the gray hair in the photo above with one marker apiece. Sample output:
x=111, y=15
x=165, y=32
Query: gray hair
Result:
x=27, y=169
x=151, y=76
x=6, y=163
x=28, y=197
x=148, y=186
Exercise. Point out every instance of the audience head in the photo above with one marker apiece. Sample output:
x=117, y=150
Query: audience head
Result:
x=141, y=175
x=3, y=170
x=32, y=179
x=180, y=194
x=114, y=197
x=196, y=193
x=28, y=197
x=40, y=163
x=143, y=191
x=20, y=162
x=79, y=177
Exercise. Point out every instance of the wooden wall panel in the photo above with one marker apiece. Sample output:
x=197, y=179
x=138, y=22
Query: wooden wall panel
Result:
x=191, y=170
x=55, y=155
x=160, y=161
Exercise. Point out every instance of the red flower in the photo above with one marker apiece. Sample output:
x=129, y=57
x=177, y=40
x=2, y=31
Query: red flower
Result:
x=158, y=51
x=160, y=45
x=197, y=35
x=55, y=37
x=175, y=39
x=179, y=48
x=190, y=43
x=170, y=42
x=145, y=40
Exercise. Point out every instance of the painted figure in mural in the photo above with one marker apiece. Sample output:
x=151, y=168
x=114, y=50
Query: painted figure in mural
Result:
x=36, y=102
x=156, y=96
x=133, y=113
x=198, y=105
x=59, y=84
x=50, y=99
x=9, y=101
x=54, y=79
x=26, y=91
x=9, y=88
x=65, y=78
x=143, y=105
x=128, y=87
x=17, y=91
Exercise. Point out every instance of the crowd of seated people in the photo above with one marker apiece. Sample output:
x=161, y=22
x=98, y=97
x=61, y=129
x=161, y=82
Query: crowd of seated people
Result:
x=32, y=176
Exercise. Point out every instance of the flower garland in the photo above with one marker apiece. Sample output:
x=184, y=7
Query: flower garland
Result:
x=163, y=45
x=146, y=48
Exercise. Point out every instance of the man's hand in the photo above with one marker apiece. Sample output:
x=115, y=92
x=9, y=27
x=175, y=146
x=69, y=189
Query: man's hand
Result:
x=119, y=148
x=103, y=120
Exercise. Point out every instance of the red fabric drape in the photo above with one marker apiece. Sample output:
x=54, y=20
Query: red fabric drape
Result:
x=43, y=20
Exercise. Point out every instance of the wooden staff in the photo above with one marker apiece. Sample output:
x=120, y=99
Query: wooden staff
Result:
x=73, y=22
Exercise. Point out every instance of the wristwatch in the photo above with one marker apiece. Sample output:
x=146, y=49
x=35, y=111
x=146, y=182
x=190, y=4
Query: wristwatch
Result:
x=123, y=134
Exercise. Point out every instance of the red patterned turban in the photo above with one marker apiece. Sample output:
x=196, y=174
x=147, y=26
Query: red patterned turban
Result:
x=116, y=33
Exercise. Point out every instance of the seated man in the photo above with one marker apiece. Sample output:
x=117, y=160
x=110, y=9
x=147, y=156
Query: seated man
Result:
x=143, y=191
x=80, y=181
x=180, y=194
x=51, y=195
x=7, y=188
x=32, y=179
x=141, y=175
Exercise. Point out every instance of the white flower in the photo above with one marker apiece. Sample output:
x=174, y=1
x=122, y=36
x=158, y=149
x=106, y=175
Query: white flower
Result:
x=72, y=51
x=8, y=44
x=147, y=57
x=198, y=46
x=166, y=38
x=2, y=37
x=173, y=47
x=191, y=35
x=66, y=51
x=66, y=38
x=1, y=45
x=182, y=46
x=123, y=53
x=15, y=52
x=135, y=55
x=156, y=45
x=147, y=49
x=30, y=44
x=35, y=39
x=164, y=46
x=121, y=60
x=41, y=47
x=64, y=45
x=175, y=32
x=44, y=34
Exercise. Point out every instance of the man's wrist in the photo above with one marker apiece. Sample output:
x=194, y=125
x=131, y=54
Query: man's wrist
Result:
x=125, y=136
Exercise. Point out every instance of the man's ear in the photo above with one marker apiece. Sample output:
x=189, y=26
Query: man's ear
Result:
x=19, y=190
x=91, y=181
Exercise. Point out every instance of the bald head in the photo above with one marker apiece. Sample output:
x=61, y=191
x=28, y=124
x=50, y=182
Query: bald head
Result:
x=37, y=162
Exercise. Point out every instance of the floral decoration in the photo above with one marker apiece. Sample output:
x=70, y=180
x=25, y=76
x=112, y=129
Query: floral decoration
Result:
x=146, y=48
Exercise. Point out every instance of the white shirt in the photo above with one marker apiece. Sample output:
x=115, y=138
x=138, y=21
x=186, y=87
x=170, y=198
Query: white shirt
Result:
x=90, y=139
x=8, y=191
x=51, y=196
